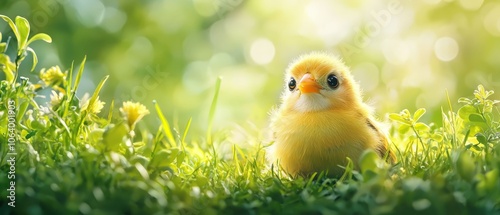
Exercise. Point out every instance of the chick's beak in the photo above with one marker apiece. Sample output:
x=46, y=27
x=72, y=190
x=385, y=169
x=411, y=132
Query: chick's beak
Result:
x=308, y=85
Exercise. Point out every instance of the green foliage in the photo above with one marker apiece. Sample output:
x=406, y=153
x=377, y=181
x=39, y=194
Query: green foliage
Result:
x=21, y=29
x=73, y=160
x=478, y=116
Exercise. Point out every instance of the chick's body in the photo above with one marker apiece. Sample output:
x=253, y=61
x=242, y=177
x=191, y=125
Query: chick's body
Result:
x=322, y=119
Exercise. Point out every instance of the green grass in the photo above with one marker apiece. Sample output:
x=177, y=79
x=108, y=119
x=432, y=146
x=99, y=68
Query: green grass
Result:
x=73, y=159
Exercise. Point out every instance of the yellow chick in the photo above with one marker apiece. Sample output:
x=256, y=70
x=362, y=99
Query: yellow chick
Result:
x=322, y=119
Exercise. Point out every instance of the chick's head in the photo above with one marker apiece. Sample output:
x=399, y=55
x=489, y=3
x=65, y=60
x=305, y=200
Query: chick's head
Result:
x=319, y=82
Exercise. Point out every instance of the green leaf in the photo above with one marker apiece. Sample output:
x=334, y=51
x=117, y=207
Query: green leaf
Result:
x=419, y=113
x=188, y=125
x=35, y=58
x=7, y=67
x=491, y=178
x=488, y=182
x=211, y=114
x=94, y=97
x=39, y=36
x=180, y=158
x=165, y=124
x=79, y=75
x=474, y=117
x=69, y=82
x=30, y=134
x=481, y=138
x=139, y=159
x=465, y=111
x=3, y=47
x=11, y=24
x=96, y=135
x=72, y=93
x=405, y=113
x=487, y=106
x=368, y=161
x=422, y=126
x=348, y=171
x=142, y=171
x=398, y=118
x=404, y=128
x=236, y=160
x=22, y=110
x=465, y=100
x=23, y=27
x=163, y=158
x=465, y=166
x=113, y=135
x=110, y=113
x=437, y=137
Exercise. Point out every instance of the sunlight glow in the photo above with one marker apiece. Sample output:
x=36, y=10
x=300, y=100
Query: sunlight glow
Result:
x=446, y=48
x=114, y=20
x=262, y=51
x=90, y=12
x=395, y=51
x=197, y=77
x=471, y=4
x=492, y=21
x=205, y=7
x=331, y=20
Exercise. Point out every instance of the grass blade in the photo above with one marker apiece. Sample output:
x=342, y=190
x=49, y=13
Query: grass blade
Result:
x=185, y=132
x=236, y=160
x=74, y=85
x=97, y=90
x=211, y=114
x=165, y=124
x=110, y=114
x=79, y=75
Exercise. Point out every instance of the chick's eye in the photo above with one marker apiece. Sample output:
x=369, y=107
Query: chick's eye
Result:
x=292, y=84
x=332, y=81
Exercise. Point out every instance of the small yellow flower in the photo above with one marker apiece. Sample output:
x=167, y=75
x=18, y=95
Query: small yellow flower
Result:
x=133, y=112
x=53, y=76
x=56, y=98
x=95, y=108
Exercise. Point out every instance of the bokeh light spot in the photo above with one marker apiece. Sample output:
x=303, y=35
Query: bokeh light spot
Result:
x=197, y=77
x=205, y=7
x=432, y=2
x=140, y=47
x=220, y=61
x=396, y=52
x=330, y=20
x=262, y=51
x=114, y=20
x=446, y=48
x=196, y=47
x=169, y=16
x=492, y=21
x=90, y=12
x=471, y=4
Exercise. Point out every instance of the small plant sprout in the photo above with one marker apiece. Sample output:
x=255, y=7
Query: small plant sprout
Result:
x=21, y=29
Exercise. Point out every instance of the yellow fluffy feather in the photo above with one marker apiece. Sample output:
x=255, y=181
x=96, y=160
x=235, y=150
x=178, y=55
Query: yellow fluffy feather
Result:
x=322, y=119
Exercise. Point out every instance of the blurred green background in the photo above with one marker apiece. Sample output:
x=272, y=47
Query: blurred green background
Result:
x=405, y=54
